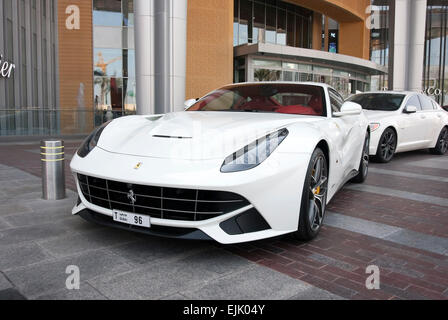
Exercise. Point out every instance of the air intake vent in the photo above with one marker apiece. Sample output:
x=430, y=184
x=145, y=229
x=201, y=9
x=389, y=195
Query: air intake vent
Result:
x=159, y=202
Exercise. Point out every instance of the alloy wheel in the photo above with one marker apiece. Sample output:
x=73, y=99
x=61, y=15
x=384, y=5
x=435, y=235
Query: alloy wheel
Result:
x=388, y=145
x=365, y=156
x=318, y=193
x=444, y=141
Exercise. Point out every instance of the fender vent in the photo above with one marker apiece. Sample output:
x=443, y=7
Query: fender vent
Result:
x=171, y=137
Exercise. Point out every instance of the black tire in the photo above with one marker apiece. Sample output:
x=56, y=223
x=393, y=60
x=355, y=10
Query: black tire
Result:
x=314, y=197
x=442, y=143
x=363, y=170
x=386, y=146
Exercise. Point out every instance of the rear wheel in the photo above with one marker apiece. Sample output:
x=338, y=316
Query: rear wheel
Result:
x=387, y=146
x=314, y=197
x=363, y=170
x=442, y=143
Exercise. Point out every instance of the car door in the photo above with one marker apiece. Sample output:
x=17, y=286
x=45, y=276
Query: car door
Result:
x=349, y=137
x=432, y=121
x=413, y=127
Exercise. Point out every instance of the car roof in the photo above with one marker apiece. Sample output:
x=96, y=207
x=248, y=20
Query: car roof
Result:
x=319, y=84
x=389, y=92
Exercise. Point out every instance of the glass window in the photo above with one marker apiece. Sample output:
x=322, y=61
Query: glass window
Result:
x=291, y=28
x=425, y=103
x=299, y=31
x=271, y=24
x=128, y=13
x=267, y=63
x=235, y=22
x=259, y=22
x=275, y=98
x=108, y=62
x=335, y=100
x=267, y=75
x=434, y=105
x=289, y=65
x=379, y=101
x=245, y=19
x=281, y=26
x=415, y=102
x=107, y=13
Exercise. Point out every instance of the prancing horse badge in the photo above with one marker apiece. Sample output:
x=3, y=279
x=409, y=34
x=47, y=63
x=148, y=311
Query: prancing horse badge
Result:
x=138, y=165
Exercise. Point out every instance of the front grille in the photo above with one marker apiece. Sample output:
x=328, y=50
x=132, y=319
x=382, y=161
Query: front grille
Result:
x=159, y=202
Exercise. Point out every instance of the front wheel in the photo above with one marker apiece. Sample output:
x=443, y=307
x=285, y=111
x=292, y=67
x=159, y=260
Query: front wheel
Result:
x=314, y=197
x=387, y=146
x=442, y=143
x=363, y=170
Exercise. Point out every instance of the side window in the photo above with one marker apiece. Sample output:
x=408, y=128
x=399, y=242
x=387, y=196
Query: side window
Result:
x=414, y=101
x=335, y=100
x=434, y=105
x=425, y=102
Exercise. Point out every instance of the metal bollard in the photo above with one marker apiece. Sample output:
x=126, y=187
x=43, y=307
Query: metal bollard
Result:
x=53, y=169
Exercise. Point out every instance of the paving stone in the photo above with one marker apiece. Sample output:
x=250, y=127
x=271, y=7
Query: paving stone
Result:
x=21, y=234
x=11, y=294
x=149, y=249
x=176, y=296
x=254, y=283
x=20, y=255
x=45, y=216
x=332, y=262
x=158, y=280
x=47, y=277
x=85, y=292
x=370, y=228
x=313, y=293
x=93, y=239
x=4, y=225
x=421, y=241
x=4, y=283
x=7, y=209
x=399, y=194
x=396, y=265
x=408, y=174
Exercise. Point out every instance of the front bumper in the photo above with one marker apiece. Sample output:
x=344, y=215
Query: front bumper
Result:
x=375, y=137
x=273, y=189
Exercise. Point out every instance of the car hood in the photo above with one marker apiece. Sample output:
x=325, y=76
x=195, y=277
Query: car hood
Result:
x=374, y=115
x=192, y=135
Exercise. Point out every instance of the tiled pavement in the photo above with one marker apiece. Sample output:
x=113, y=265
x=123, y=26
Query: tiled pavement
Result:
x=397, y=220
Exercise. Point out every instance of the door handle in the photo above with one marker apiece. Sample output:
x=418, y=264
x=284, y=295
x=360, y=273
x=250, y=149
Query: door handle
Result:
x=423, y=117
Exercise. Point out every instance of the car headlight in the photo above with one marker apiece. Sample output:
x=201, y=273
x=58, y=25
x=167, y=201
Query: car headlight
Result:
x=91, y=141
x=374, y=126
x=255, y=153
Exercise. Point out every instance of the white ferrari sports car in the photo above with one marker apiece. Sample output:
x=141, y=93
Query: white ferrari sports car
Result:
x=245, y=162
x=403, y=121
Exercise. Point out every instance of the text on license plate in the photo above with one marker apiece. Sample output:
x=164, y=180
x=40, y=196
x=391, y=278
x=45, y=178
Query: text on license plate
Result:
x=132, y=219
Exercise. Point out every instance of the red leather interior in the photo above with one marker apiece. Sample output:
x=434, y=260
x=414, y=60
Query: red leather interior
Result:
x=298, y=109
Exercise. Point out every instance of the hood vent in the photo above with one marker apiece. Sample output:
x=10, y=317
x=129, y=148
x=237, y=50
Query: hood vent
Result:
x=170, y=137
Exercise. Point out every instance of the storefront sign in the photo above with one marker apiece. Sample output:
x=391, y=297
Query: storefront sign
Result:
x=434, y=91
x=6, y=68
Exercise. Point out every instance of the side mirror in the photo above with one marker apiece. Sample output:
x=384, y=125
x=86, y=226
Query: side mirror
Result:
x=349, y=109
x=189, y=103
x=410, y=109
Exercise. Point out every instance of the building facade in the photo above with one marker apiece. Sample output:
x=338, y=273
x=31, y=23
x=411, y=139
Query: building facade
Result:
x=67, y=66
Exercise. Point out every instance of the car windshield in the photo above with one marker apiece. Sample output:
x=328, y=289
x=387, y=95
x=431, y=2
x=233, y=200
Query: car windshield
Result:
x=273, y=98
x=378, y=101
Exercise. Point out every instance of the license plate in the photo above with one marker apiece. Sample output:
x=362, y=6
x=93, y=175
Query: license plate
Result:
x=132, y=219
